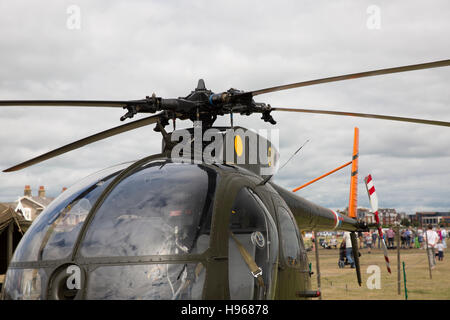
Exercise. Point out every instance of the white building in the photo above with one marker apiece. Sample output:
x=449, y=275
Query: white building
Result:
x=31, y=206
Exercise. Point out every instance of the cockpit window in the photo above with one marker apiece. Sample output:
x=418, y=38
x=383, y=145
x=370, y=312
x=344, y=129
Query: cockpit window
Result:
x=161, y=209
x=54, y=232
x=252, y=248
x=24, y=284
x=289, y=238
x=147, y=282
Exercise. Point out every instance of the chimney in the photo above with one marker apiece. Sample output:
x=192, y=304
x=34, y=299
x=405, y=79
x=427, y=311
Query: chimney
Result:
x=41, y=193
x=27, y=191
x=63, y=189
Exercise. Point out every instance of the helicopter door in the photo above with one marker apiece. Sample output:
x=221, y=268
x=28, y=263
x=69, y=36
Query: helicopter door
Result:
x=252, y=248
x=289, y=237
x=293, y=276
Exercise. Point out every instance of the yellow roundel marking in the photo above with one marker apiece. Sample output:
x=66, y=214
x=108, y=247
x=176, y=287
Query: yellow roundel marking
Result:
x=238, y=145
x=269, y=155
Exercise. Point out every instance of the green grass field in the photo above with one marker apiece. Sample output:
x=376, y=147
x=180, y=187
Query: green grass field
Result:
x=337, y=284
x=341, y=284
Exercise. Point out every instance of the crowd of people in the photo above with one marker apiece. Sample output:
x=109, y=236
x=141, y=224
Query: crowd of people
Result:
x=409, y=238
x=432, y=239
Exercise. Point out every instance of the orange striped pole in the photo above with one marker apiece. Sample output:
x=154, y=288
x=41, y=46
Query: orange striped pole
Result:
x=322, y=176
x=353, y=203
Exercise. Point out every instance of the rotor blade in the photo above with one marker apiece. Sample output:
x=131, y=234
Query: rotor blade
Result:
x=374, y=204
x=356, y=256
x=367, y=115
x=66, y=103
x=80, y=143
x=435, y=64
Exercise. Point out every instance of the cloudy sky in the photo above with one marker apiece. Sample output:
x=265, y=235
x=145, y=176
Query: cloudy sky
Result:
x=130, y=49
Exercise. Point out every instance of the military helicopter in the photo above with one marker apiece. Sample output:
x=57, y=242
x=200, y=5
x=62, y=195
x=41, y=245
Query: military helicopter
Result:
x=179, y=224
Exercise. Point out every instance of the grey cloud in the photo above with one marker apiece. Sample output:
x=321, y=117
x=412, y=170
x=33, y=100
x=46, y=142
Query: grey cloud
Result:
x=129, y=50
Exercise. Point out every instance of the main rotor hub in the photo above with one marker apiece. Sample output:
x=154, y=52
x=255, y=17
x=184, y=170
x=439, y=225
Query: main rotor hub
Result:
x=201, y=105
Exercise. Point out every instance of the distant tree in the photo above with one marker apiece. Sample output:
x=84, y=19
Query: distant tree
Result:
x=405, y=222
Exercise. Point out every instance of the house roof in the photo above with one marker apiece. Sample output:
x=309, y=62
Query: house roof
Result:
x=7, y=215
x=12, y=205
x=433, y=213
x=42, y=202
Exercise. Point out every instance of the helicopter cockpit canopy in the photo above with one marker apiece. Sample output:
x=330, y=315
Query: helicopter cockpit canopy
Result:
x=155, y=211
x=161, y=209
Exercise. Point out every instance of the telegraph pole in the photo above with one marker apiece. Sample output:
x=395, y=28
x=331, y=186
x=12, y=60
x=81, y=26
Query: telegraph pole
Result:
x=426, y=250
x=9, y=242
x=399, y=280
x=316, y=243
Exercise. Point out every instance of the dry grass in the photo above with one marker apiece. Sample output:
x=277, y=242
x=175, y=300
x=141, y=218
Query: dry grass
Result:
x=341, y=284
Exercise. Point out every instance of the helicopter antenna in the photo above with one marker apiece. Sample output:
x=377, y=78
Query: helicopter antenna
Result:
x=294, y=154
x=269, y=177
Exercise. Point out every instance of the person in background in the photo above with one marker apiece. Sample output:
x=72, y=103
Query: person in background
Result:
x=381, y=239
x=333, y=241
x=348, y=248
x=413, y=237
x=390, y=234
x=432, y=239
x=407, y=239
x=439, y=232
x=440, y=248
x=420, y=237
x=369, y=242
x=374, y=239
x=444, y=238
x=416, y=241
x=361, y=239
x=403, y=238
